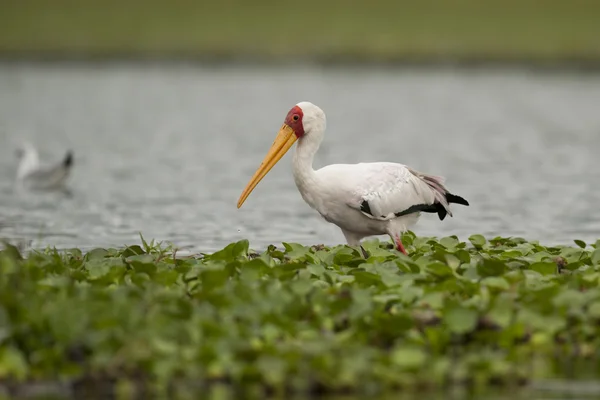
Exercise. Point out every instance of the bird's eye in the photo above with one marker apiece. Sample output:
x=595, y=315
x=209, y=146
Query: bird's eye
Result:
x=295, y=117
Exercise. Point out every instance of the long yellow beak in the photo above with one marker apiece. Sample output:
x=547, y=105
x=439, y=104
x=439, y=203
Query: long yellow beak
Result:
x=284, y=140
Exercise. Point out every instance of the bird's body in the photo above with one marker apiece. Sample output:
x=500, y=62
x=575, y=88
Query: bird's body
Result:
x=31, y=174
x=362, y=199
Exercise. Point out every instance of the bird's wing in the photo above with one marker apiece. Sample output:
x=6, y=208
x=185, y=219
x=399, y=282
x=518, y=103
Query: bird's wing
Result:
x=385, y=191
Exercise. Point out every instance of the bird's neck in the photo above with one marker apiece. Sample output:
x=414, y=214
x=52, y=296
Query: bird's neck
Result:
x=304, y=174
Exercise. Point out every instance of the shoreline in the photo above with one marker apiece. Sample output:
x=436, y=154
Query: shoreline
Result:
x=570, y=64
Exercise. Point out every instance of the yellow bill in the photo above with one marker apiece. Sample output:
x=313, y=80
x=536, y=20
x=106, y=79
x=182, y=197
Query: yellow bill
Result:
x=284, y=140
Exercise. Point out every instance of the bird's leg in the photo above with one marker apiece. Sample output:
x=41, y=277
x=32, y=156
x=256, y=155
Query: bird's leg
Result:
x=399, y=245
x=354, y=241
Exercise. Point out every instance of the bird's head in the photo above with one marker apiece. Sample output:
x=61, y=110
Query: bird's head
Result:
x=305, y=121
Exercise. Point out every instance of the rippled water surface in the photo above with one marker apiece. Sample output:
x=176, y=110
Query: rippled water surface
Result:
x=165, y=150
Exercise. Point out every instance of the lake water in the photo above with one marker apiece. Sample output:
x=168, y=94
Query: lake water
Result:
x=166, y=149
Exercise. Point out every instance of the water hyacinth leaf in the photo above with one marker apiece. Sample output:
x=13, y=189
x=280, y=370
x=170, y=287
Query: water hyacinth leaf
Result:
x=366, y=278
x=449, y=311
x=95, y=254
x=10, y=251
x=55, y=281
x=452, y=261
x=470, y=272
x=408, y=238
x=596, y=257
x=273, y=369
x=507, y=255
x=100, y=267
x=433, y=300
x=316, y=269
x=388, y=273
x=409, y=357
x=544, y=268
x=460, y=319
x=594, y=310
x=231, y=252
x=301, y=287
x=501, y=313
x=491, y=267
x=580, y=243
x=212, y=279
x=142, y=263
x=134, y=250
x=439, y=269
x=477, y=240
x=463, y=256
x=253, y=270
x=240, y=248
x=572, y=254
x=166, y=278
x=449, y=242
x=295, y=250
x=496, y=282
x=344, y=256
x=12, y=364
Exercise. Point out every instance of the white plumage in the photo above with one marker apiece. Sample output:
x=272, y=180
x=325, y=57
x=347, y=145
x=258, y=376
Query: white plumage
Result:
x=33, y=175
x=362, y=199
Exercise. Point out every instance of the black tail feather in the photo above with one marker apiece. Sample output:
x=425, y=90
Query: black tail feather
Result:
x=68, y=161
x=452, y=198
x=441, y=211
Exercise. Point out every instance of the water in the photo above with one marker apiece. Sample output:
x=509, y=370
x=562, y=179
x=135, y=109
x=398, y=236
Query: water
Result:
x=166, y=150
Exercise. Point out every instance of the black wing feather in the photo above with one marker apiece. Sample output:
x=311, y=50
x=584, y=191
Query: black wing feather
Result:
x=428, y=208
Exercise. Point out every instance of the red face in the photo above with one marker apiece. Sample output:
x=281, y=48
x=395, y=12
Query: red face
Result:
x=294, y=121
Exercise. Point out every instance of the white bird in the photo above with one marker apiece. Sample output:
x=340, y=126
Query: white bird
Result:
x=362, y=199
x=32, y=175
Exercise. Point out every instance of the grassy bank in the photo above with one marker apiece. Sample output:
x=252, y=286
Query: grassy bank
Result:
x=380, y=30
x=501, y=312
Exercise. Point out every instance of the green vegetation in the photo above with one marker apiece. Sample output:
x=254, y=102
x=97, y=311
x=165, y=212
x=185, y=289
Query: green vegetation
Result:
x=302, y=319
x=378, y=30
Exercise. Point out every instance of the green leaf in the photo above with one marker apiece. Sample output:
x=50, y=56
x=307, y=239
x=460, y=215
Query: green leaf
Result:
x=594, y=309
x=166, y=278
x=240, y=248
x=11, y=251
x=580, y=243
x=147, y=248
x=572, y=254
x=366, y=278
x=544, y=268
x=231, y=252
x=501, y=313
x=409, y=357
x=295, y=251
x=440, y=270
x=143, y=263
x=477, y=240
x=460, y=319
x=134, y=250
x=491, y=267
x=95, y=254
x=496, y=282
x=596, y=257
x=449, y=242
x=215, y=278
x=12, y=364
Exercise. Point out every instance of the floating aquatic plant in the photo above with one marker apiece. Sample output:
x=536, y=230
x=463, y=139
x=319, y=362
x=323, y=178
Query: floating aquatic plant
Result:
x=502, y=311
